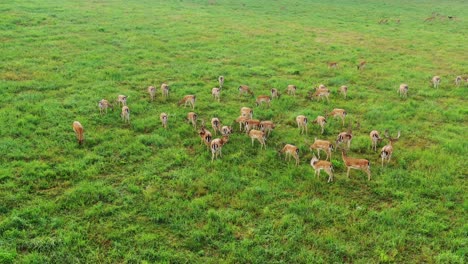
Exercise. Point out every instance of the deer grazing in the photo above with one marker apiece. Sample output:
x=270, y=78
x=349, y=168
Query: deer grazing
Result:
x=403, y=90
x=79, y=131
x=163, y=118
x=246, y=112
x=436, y=81
x=274, y=93
x=291, y=151
x=216, y=146
x=357, y=164
x=122, y=100
x=242, y=121
x=302, y=124
x=103, y=105
x=324, y=145
x=345, y=138
x=152, y=92
x=337, y=112
x=226, y=130
x=192, y=118
x=266, y=127
x=216, y=125
x=205, y=136
x=344, y=90
x=332, y=65
x=387, y=150
x=291, y=90
x=458, y=81
x=221, y=81
x=165, y=90
x=361, y=65
x=321, y=121
x=375, y=139
x=263, y=99
x=215, y=93
x=188, y=100
x=125, y=114
x=251, y=124
x=259, y=135
x=322, y=92
x=319, y=165
x=245, y=89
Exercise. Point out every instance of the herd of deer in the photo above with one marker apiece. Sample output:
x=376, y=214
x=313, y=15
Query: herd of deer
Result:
x=260, y=130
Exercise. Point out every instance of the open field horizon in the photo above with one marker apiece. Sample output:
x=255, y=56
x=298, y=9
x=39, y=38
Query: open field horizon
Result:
x=140, y=193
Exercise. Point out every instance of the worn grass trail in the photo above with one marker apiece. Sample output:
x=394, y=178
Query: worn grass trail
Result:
x=142, y=193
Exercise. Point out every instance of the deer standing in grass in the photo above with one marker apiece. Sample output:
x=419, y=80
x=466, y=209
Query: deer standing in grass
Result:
x=163, y=118
x=79, y=131
x=152, y=92
x=122, y=100
x=216, y=125
x=221, y=81
x=251, y=124
x=125, y=114
x=246, y=112
x=375, y=139
x=259, y=135
x=274, y=93
x=188, y=100
x=103, y=105
x=361, y=65
x=263, y=99
x=242, y=122
x=302, y=124
x=321, y=121
x=291, y=90
x=215, y=93
x=245, y=89
x=205, y=136
x=165, y=90
x=291, y=151
x=458, y=81
x=319, y=165
x=267, y=126
x=345, y=138
x=324, y=145
x=226, y=130
x=192, y=118
x=387, y=150
x=344, y=90
x=436, y=81
x=403, y=90
x=337, y=112
x=216, y=147
x=322, y=92
x=332, y=65
x=357, y=164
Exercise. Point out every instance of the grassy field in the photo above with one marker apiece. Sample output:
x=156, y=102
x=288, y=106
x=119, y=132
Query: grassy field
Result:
x=140, y=193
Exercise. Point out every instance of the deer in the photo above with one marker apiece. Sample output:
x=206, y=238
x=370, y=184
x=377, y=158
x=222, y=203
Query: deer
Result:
x=192, y=118
x=215, y=93
x=332, y=65
x=357, y=164
x=122, y=100
x=458, y=81
x=302, y=124
x=403, y=90
x=322, y=92
x=246, y=112
x=251, y=124
x=291, y=151
x=375, y=139
x=205, y=136
x=337, y=112
x=163, y=118
x=216, y=125
x=245, y=89
x=242, y=121
x=387, y=150
x=152, y=92
x=291, y=90
x=344, y=90
x=361, y=65
x=263, y=99
x=226, y=130
x=103, y=105
x=79, y=131
x=383, y=21
x=221, y=81
x=321, y=121
x=125, y=114
x=436, y=81
x=188, y=100
x=319, y=165
x=274, y=93
x=324, y=145
x=267, y=126
x=259, y=135
x=345, y=138
x=217, y=145
x=165, y=90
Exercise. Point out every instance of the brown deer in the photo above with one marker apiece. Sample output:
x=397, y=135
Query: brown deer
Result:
x=345, y=138
x=337, y=112
x=324, y=145
x=458, y=81
x=251, y=124
x=259, y=135
x=103, y=105
x=216, y=147
x=205, y=136
x=79, y=131
x=321, y=121
x=319, y=165
x=216, y=125
x=375, y=139
x=163, y=118
x=188, y=100
x=226, y=130
x=344, y=90
x=242, y=122
x=274, y=93
x=291, y=151
x=152, y=92
x=291, y=90
x=122, y=100
x=215, y=93
x=267, y=126
x=165, y=90
x=302, y=124
x=192, y=118
x=361, y=65
x=125, y=114
x=263, y=99
x=387, y=150
x=246, y=112
x=245, y=89
x=322, y=92
x=436, y=81
x=357, y=164
x=403, y=90
x=332, y=65
x=221, y=81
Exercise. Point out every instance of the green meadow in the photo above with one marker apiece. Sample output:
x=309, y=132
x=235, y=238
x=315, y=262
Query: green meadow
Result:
x=139, y=193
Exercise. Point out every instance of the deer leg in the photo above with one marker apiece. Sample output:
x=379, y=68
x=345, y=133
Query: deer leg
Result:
x=347, y=173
